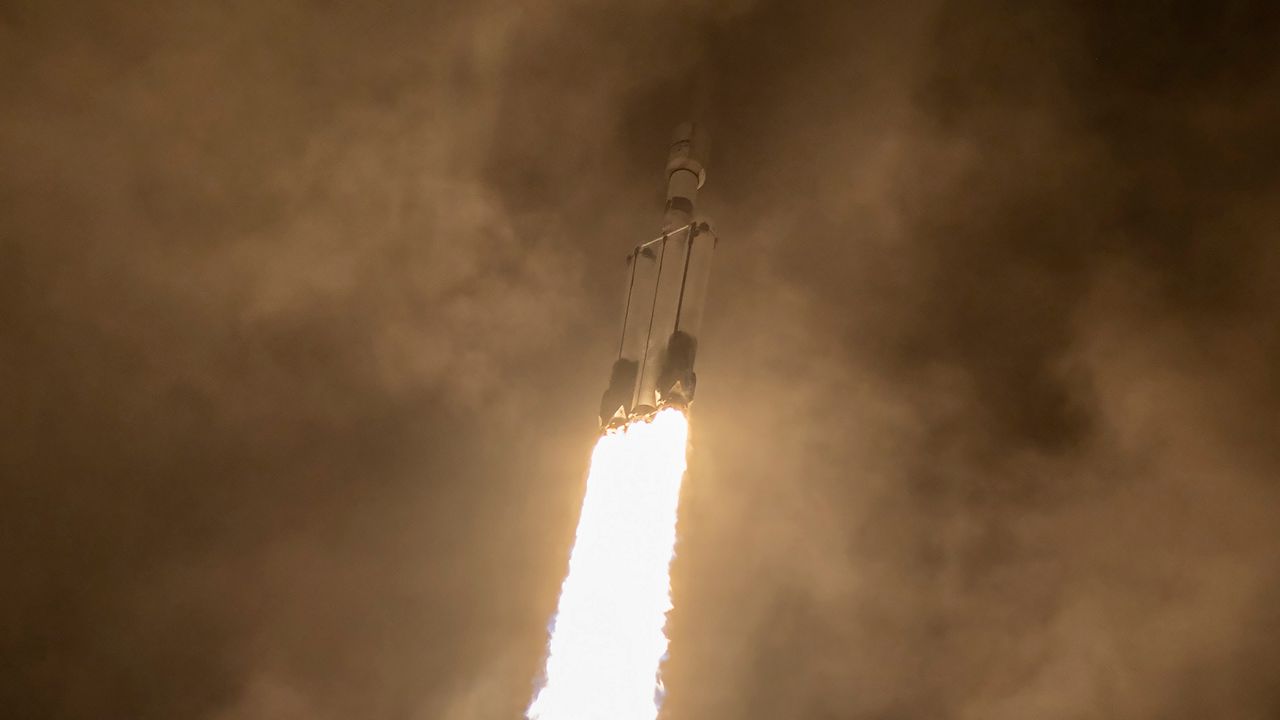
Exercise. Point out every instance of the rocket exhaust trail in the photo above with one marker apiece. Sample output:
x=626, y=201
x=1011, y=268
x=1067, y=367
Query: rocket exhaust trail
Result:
x=607, y=640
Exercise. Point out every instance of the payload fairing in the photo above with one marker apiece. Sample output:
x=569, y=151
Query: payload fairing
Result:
x=666, y=290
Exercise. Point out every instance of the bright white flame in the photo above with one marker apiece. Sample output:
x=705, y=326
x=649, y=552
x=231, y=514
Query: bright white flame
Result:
x=608, y=638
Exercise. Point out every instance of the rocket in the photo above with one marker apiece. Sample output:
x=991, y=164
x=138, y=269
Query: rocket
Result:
x=666, y=288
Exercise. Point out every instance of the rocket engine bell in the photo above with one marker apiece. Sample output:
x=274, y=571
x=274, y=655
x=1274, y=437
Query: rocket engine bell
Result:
x=665, y=292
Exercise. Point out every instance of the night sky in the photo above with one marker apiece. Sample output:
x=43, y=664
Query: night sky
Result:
x=306, y=308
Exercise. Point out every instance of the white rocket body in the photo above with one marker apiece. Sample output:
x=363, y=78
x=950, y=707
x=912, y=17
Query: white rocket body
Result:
x=666, y=290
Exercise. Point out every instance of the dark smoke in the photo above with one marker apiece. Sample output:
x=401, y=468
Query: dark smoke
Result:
x=305, y=308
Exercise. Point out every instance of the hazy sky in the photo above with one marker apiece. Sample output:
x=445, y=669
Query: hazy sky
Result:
x=305, y=309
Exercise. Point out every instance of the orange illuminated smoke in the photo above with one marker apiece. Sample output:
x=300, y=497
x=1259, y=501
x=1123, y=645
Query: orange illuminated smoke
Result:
x=607, y=641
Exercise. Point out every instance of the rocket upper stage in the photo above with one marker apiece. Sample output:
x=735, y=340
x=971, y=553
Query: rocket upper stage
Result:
x=665, y=292
x=684, y=178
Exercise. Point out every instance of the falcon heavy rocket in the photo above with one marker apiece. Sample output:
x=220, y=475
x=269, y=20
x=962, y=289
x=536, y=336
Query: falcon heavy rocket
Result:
x=665, y=292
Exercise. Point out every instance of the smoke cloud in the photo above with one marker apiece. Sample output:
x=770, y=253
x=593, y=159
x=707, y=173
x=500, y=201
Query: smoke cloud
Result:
x=305, y=310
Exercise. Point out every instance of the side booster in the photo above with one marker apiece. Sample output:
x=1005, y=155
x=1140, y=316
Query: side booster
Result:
x=666, y=290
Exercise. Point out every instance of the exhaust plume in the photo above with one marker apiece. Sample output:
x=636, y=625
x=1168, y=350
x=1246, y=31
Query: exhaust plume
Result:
x=607, y=640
